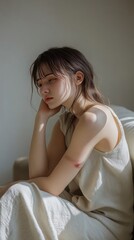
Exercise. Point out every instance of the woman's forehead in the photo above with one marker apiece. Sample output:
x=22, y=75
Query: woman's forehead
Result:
x=44, y=70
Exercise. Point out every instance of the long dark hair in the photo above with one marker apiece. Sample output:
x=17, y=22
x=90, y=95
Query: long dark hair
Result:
x=70, y=60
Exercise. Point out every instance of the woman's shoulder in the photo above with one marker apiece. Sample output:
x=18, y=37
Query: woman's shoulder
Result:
x=96, y=115
x=99, y=113
x=100, y=108
x=106, y=123
x=99, y=119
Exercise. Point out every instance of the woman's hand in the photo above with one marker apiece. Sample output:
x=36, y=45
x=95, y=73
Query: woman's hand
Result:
x=44, y=109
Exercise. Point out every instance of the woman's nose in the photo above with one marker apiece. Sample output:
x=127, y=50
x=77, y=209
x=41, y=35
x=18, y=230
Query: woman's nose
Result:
x=44, y=89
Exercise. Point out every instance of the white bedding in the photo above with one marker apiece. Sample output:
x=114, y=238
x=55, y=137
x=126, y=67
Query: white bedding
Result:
x=27, y=213
x=126, y=117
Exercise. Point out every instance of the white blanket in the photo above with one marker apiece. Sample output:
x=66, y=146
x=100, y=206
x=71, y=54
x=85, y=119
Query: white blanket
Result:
x=26, y=213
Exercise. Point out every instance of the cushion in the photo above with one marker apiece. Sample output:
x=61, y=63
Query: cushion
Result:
x=20, y=169
x=126, y=117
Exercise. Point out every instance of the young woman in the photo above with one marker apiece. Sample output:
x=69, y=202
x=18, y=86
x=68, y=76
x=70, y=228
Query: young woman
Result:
x=87, y=161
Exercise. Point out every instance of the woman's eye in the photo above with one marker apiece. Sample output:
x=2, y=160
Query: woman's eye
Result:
x=51, y=80
x=39, y=85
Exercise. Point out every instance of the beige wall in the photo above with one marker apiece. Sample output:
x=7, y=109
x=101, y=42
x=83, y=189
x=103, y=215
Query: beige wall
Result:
x=101, y=29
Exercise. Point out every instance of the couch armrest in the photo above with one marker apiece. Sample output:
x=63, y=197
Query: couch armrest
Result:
x=20, y=169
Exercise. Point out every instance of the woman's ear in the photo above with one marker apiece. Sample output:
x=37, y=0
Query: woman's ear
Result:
x=79, y=77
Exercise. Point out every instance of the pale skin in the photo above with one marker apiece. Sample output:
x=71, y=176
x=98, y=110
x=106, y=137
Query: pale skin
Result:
x=53, y=167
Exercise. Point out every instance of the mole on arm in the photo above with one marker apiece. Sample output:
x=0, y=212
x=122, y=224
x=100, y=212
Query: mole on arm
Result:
x=77, y=165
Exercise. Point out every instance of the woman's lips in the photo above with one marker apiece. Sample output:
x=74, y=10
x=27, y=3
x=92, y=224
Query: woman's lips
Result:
x=47, y=99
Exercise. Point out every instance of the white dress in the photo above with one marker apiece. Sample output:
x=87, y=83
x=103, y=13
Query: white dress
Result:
x=103, y=188
x=97, y=207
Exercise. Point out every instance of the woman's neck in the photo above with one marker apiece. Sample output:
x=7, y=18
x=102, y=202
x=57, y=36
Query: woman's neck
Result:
x=80, y=106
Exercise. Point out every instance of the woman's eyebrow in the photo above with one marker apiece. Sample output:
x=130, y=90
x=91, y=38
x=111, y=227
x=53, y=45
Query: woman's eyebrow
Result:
x=48, y=74
x=44, y=76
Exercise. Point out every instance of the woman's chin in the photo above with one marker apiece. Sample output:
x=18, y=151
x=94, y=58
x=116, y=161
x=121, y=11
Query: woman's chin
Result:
x=52, y=107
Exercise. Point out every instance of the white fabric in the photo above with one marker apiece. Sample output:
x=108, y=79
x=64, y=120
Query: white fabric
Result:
x=104, y=186
x=26, y=213
x=126, y=117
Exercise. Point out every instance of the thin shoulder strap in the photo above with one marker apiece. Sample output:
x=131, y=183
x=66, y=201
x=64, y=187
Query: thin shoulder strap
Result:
x=117, y=118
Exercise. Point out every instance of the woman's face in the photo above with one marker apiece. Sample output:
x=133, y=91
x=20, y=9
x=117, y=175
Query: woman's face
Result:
x=56, y=90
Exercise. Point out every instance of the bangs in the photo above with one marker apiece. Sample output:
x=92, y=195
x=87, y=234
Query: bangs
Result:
x=66, y=61
x=54, y=60
x=37, y=70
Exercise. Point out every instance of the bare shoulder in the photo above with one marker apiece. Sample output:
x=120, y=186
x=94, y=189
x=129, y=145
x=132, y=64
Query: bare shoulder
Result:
x=95, y=117
x=102, y=123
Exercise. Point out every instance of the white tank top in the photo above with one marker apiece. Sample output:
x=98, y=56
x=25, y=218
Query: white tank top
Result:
x=104, y=186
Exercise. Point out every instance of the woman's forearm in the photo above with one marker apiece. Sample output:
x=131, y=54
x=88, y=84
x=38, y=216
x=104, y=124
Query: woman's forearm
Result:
x=43, y=184
x=38, y=162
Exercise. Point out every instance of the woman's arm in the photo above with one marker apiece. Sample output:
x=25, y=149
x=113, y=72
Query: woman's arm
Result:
x=38, y=155
x=38, y=162
x=56, y=147
x=91, y=129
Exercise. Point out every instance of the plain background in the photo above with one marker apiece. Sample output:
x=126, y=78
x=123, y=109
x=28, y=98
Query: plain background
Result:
x=102, y=29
